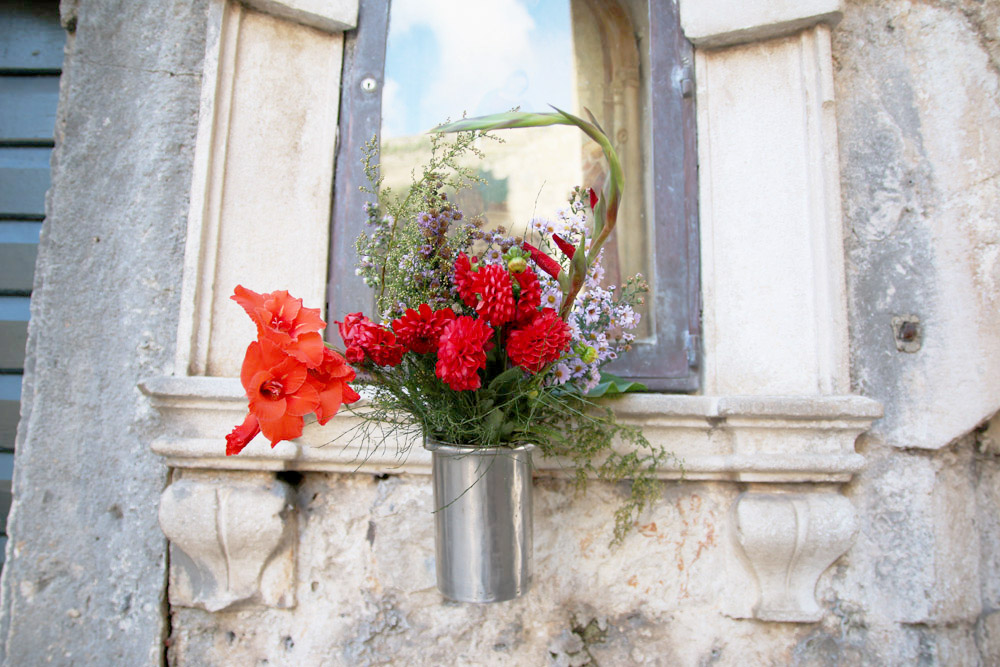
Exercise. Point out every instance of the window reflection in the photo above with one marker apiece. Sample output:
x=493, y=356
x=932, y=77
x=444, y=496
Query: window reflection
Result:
x=449, y=57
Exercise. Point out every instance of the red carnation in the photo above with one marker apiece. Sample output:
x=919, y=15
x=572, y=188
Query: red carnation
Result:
x=544, y=262
x=281, y=319
x=462, y=352
x=378, y=343
x=364, y=337
x=534, y=346
x=421, y=330
x=330, y=380
x=464, y=278
x=496, y=292
x=530, y=297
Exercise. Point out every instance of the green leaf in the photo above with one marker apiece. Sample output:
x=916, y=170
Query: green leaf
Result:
x=611, y=385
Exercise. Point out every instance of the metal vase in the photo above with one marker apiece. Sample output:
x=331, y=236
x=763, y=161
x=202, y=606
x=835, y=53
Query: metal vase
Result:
x=483, y=521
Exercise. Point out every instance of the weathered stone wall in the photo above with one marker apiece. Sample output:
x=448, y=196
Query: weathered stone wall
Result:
x=917, y=89
x=84, y=579
x=919, y=123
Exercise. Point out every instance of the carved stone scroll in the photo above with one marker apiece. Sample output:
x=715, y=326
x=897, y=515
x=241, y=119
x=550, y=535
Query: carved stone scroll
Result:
x=232, y=540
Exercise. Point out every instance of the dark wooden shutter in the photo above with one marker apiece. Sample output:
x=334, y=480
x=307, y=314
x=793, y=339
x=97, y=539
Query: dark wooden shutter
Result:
x=31, y=55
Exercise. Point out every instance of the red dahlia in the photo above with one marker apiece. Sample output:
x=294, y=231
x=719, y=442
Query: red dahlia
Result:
x=462, y=352
x=496, y=303
x=535, y=345
x=464, y=278
x=421, y=330
x=530, y=297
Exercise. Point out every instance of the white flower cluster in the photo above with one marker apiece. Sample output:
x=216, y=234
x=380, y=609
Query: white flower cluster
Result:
x=602, y=319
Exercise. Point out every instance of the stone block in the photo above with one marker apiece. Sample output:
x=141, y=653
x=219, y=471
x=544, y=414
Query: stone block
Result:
x=232, y=541
x=713, y=23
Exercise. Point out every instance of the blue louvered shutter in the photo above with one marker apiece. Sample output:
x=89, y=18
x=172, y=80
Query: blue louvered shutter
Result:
x=31, y=55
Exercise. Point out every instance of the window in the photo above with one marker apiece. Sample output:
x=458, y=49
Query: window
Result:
x=633, y=71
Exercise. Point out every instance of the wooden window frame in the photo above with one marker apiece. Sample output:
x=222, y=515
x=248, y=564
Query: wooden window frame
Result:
x=671, y=360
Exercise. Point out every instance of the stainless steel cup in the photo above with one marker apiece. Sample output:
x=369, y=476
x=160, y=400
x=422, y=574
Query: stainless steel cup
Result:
x=483, y=522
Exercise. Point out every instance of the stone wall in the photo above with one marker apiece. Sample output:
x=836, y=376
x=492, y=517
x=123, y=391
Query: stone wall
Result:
x=84, y=578
x=919, y=125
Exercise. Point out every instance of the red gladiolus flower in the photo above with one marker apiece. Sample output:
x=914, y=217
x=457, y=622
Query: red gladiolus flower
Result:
x=566, y=247
x=281, y=318
x=544, y=262
x=330, y=379
x=464, y=279
x=462, y=352
x=421, y=330
x=530, y=297
x=593, y=198
x=496, y=303
x=538, y=344
x=279, y=394
x=242, y=435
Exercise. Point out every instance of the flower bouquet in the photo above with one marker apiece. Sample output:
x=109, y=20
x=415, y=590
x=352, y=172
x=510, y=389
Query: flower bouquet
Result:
x=486, y=344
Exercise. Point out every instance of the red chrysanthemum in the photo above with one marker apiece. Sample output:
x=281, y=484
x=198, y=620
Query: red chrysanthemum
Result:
x=496, y=295
x=462, y=352
x=421, y=330
x=543, y=261
x=330, y=380
x=282, y=319
x=276, y=386
x=464, y=278
x=365, y=338
x=539, y=343
x=530, y=297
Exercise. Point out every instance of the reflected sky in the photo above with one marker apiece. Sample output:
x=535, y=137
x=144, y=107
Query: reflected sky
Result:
x=446, y=57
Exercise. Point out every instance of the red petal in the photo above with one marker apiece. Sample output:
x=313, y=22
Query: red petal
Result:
x=544, y=262
x=282, y=428
x=593, y=198
x=242, y=435
x=567, y=248
x=308, y=349
x=302, y=402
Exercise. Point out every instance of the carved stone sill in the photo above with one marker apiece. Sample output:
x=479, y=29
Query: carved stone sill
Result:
x=787, y=527
x=734, y=438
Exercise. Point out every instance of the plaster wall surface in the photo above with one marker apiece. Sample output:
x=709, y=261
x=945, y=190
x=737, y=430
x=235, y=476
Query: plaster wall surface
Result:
x=83, y=583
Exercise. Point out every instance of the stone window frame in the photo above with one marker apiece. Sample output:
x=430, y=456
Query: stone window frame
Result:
x=671, y=360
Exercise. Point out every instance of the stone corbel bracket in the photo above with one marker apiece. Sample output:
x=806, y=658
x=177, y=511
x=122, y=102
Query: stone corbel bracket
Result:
x=232, y=540
x=788, y=526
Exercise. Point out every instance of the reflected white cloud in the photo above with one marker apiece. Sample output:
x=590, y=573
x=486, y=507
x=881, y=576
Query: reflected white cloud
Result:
x=447, y=57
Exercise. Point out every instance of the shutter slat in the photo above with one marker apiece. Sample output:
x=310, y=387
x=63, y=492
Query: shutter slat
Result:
x=13, y=337
x=17, y=267
x=10, y=414
x=28, y=108
x=24, y=178
x=30, y=36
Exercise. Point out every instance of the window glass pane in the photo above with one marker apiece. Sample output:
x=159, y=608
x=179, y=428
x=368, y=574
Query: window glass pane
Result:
x=449, y=57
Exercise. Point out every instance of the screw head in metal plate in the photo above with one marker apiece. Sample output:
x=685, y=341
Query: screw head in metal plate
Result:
x=369, y=84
